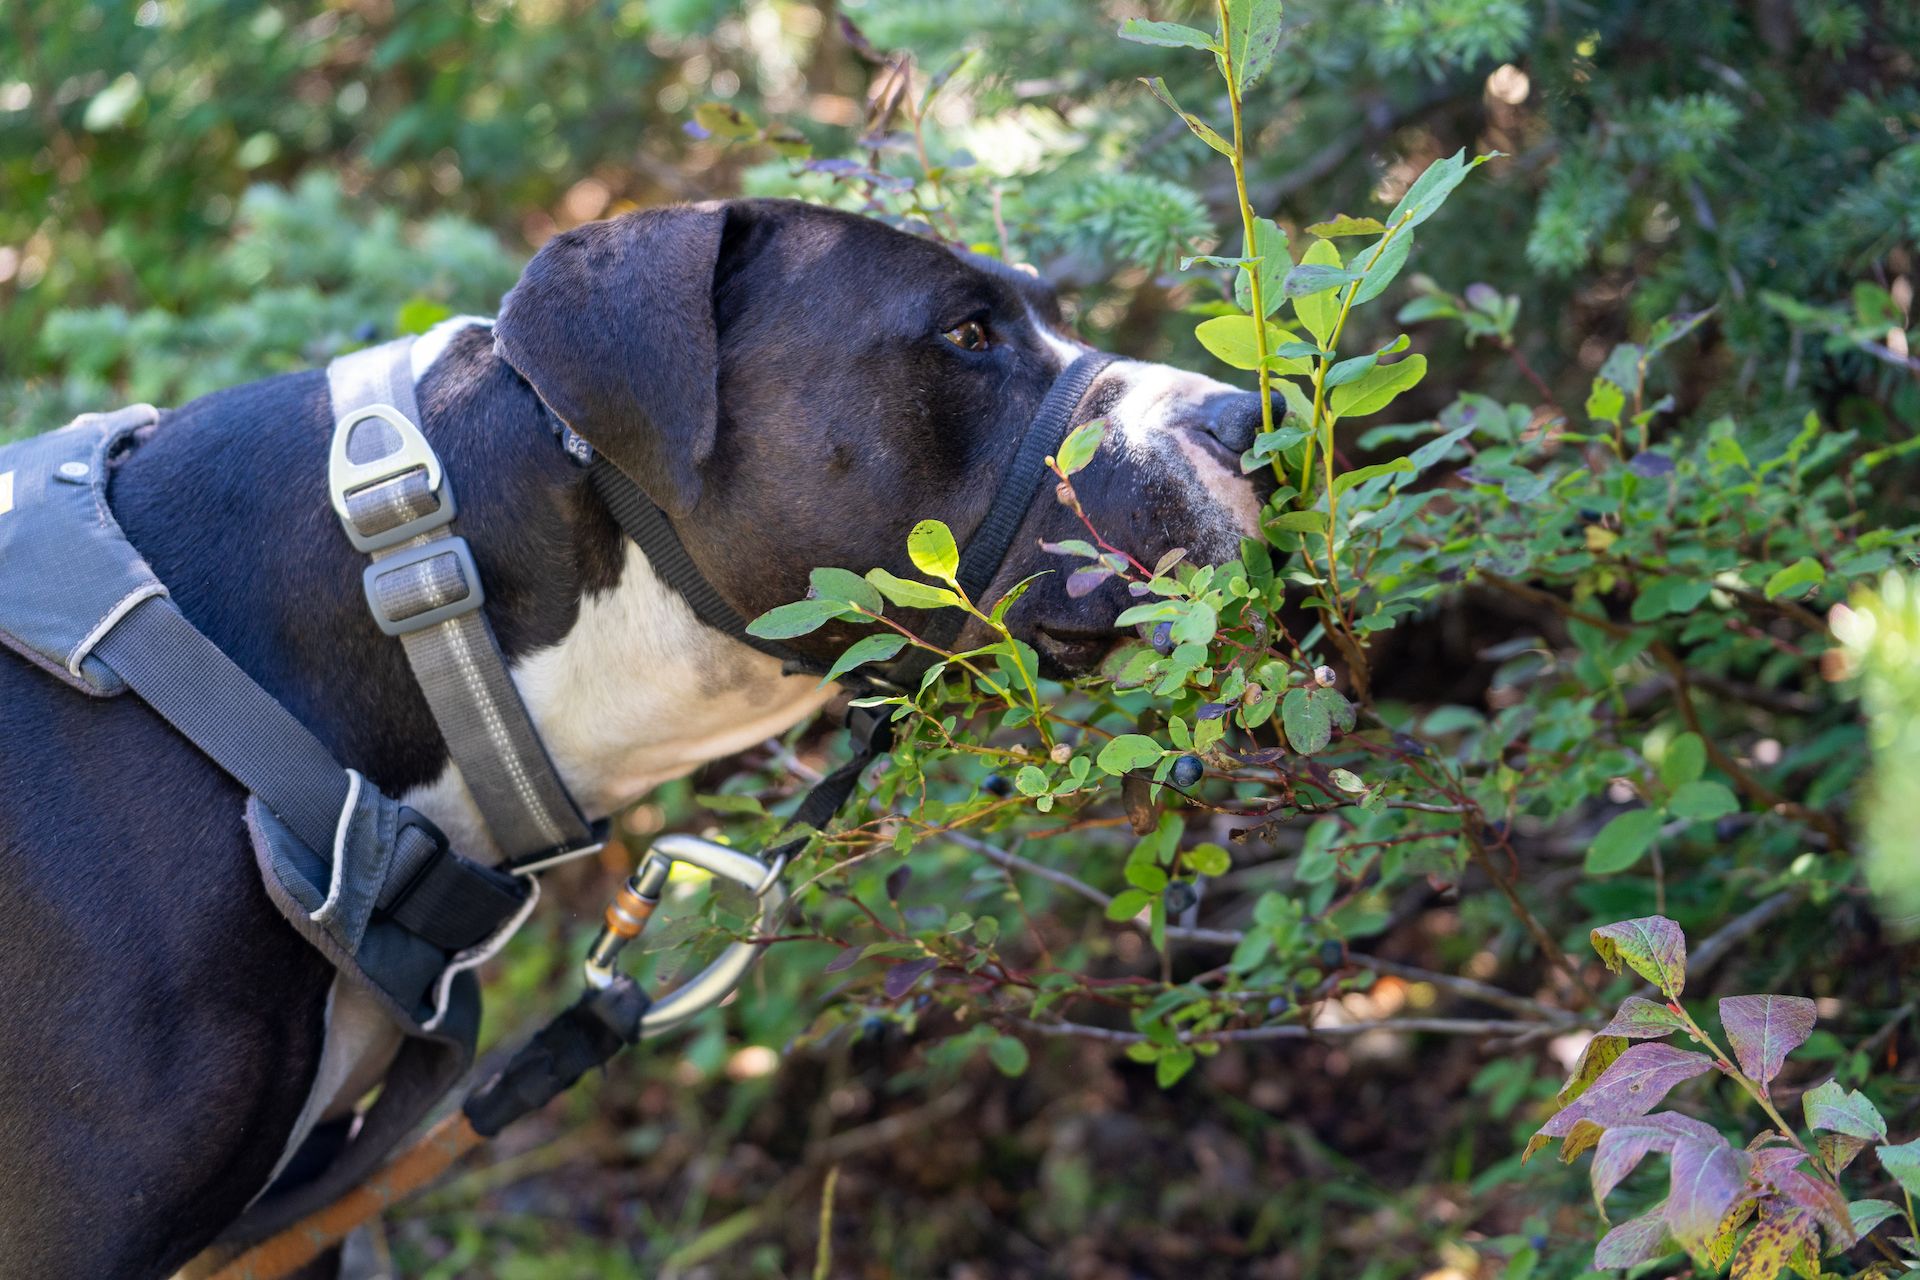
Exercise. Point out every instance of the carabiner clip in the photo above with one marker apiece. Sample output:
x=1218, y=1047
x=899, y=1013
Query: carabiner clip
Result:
x=633, y=906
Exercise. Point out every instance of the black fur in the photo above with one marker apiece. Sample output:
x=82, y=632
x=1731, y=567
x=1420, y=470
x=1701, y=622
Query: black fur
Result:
x=773, y=371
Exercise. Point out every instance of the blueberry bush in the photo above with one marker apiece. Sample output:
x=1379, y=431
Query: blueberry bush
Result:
x=1586, y=596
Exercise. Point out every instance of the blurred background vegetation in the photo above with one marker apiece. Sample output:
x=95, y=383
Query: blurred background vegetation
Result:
x=194, y=193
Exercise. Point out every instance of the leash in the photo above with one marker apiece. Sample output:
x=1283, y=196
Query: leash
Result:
x=423, y=587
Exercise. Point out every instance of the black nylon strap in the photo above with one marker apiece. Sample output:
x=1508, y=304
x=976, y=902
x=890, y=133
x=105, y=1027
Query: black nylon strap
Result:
x=201, y=692
x=453, y=902
x=586, y=1035
x=986, y=549
x=647, y=525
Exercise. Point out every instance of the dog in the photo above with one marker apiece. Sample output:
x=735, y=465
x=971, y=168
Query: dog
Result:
x=796, y=386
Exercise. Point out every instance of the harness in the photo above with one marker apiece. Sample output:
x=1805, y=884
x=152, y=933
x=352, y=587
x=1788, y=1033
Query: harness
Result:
x=371, y=884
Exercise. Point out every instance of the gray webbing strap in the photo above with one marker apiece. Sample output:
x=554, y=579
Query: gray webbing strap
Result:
x=396, y=505
x=199, y=690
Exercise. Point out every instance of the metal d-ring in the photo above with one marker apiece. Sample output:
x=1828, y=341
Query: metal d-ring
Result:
x=627, y=915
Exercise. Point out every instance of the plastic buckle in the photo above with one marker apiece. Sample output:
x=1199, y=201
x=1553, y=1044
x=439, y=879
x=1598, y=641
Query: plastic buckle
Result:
x=345, y=476
x=454, y=546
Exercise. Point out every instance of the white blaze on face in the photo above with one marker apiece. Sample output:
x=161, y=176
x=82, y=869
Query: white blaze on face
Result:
x=1156, y=422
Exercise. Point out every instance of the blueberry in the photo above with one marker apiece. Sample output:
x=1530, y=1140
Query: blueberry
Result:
x=1332, y=954
x=1187, y=771
x=997, y=785
x=1163, y=638
x=1278, y=1006
x=1180, y=897
x=366, y=332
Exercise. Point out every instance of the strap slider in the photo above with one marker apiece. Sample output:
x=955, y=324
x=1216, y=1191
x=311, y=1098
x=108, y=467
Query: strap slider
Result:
x=412, y=589
x=347, y=479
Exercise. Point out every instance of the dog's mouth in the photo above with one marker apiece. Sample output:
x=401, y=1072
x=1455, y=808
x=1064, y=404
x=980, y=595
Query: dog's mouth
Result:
x=1067, y=651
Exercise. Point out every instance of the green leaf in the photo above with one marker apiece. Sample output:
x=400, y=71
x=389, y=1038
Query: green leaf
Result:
x=931, y=547
x=1077, y=450
x=1431, y=189
x=1308, y=720
x=796, y=619
x=1903, y=1162
x=1702, y=801
x=1253, y=33
x=1623, y=841
x=1318, y=311
x=1231, y=338
x=840, y=584
x=1802, y=573
x=1201, y=129
x=1683, y=761
x=723, y=120
x=868, y=649
x=1641, y=1019
x=1300, y=521
x=1030, y=781
x=1350, y=370
x=1310, y=278
x=417, y=315
x=1360, y=475
x=1167, y=35
x=1378, y=388
x=1209, y=859
x=1345, y=225
x=1605, y=401
x=1128, y=904
x=1008, y=1056
x=1652, y=946
x=1127, y=752
x=1831, y=1109
x=1868, y=1214
x=909, y=594
x=1381, y=269
x=1270, y=246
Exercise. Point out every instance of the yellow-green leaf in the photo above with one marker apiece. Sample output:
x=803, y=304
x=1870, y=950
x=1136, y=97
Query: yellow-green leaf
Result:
x=1377, y=388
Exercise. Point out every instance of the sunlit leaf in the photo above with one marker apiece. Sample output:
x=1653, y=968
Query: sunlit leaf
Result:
x=1652, y=946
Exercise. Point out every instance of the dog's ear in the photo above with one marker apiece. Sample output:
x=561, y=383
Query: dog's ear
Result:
x=612, y=324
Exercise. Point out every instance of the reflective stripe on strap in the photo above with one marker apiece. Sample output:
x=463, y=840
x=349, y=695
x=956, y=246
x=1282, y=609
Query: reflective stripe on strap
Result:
x=397, y=505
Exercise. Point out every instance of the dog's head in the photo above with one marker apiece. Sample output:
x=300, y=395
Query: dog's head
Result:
x=796, y=387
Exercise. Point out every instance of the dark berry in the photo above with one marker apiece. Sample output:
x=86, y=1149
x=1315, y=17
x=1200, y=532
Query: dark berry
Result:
x=1332, y=954
x=1163, y=638
x=1180, y=897
x=997, y=785
x=1278, y=1006
x=1187, y=771
x=366, y=332
x=1589, y=515
x=1729, y=827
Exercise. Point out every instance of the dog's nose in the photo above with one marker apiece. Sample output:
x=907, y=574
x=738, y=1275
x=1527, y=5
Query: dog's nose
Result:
x=1234, y=420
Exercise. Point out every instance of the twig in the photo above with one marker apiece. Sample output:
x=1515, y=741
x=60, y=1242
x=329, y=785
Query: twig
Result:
x=1294, y=1031
x=1467, y=988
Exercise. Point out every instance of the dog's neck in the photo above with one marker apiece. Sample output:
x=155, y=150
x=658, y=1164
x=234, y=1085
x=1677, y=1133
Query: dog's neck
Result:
x=637, y=691
x=626, y=687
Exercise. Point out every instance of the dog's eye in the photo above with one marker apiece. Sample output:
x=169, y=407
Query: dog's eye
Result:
x=970, y=336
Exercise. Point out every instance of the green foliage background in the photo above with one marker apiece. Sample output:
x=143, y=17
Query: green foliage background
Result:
x=197, y=192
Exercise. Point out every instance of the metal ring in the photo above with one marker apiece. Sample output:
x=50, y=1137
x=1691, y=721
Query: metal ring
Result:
x=715, y=982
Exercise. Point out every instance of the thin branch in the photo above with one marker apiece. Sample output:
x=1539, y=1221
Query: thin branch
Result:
x=1294, y=1031
x=1467, y=988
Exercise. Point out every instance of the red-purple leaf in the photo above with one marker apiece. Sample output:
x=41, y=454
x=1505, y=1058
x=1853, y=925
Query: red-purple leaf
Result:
x=1707, y=1179
x=1626, y=1144
x=1643, y=1019
x=1764, y=1030
x=1085, y=581
x=1633, y=1242
x=845, y=960
x=901, y=977
x=1764, y=1253
x=1652, y=946
x=1822, y=1199
x=1771, y=1161
x=1631, y=1087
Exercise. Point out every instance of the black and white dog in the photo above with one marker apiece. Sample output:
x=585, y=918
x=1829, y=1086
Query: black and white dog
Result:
x=798, y=396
